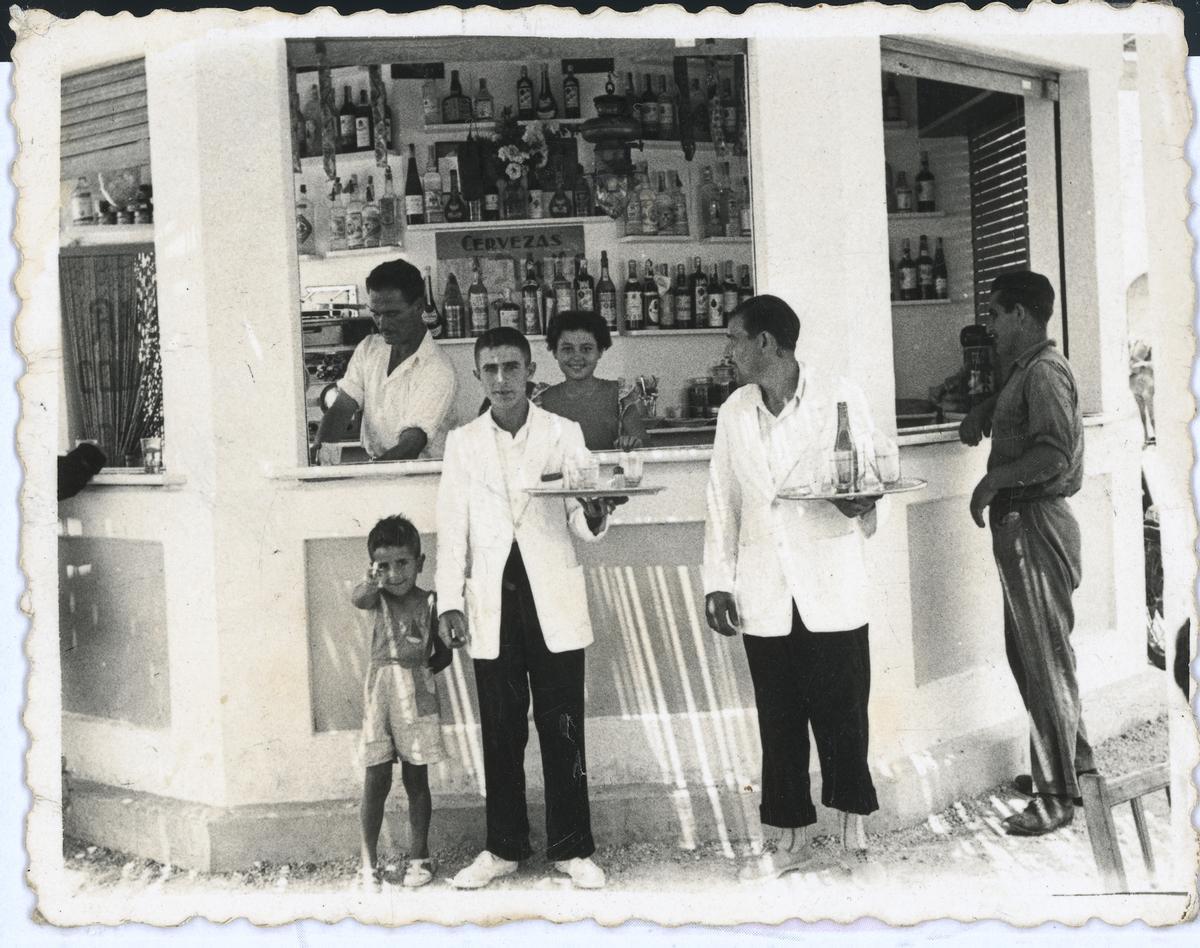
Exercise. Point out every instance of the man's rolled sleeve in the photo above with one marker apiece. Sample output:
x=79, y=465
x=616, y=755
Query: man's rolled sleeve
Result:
x=1050, y=397
x=353, y=383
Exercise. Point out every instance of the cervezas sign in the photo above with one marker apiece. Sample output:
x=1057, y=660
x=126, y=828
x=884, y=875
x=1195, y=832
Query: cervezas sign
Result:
x=540, y=240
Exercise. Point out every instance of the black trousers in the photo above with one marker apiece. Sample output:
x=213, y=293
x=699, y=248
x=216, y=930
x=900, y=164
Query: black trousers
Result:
x=523, y=668
x=822, y=679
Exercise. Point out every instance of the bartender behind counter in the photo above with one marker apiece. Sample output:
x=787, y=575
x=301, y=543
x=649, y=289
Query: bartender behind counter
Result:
x=398, y=376
x=578, y=339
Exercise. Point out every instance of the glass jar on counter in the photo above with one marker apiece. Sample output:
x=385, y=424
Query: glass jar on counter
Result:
x=697, y=396
x=722, y=386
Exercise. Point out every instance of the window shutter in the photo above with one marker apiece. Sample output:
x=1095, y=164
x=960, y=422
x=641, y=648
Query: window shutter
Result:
x=104, y=124
x=999, y=203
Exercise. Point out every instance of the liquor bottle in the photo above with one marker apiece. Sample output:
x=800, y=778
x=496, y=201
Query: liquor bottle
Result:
x=701, y=127
x=485, y=105
x=452, y=102
x=304, y=219
x=536, y=198
x=564, y=297
x=890, y=186
x=509, y=312
x=684, y=309
x=744, y=221
x=664, y=207
x=730, y=214
x=347, y=115
x=648, y=110
x=515, y=200
x=491, y=200
x=475, y=209
x=666, y=301
x=414, y=195
x=729, y=292
x=941, y=279
x=710, y=206
x=431, y=188
x=925, y=269
x=744, y=290
x=729, y=111
x=477, y=302
x=531, y=314
x=364, y=124
x=679, y=197
x=845, y=456
x=429, y=313
x=547, y=106
x=354, y=215
x=314, y=132
x=634, y=317
x=583, y=194
x=452, y=308
x=585, y=287
x=908, y=273
x=699, y=288
x=648, y=203
x=456, y=208
x=337, y=217
x=651, y=305
x=386, y=111
x=668, y=123
x=631, y=99
x=606, y=294
x=926, y=187
x=431, y=107
x=633, y=207
x=389, y=230
x=549, y=305
x=526, y=108
x=716, y=303
x=891, y=102
x=372, y=220
x=560, y=201
x=904, y=194
x=570, y=94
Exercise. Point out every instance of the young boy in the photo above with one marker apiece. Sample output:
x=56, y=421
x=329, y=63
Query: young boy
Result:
x=401, y=715
x=527, y=609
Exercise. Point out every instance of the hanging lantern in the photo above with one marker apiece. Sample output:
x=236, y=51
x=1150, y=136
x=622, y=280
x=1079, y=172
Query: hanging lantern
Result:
x=612, y=131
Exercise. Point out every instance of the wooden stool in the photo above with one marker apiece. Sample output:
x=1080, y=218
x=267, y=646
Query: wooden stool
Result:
x=1100, y=795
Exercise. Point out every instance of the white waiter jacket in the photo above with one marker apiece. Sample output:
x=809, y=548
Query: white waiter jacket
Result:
x=771, y=552
x=479, y=514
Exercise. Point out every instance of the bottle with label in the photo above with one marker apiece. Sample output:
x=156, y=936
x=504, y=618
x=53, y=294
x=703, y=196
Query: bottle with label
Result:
x=729, y=292
x=547, y=105
x=745, y=289
x=701, y=126
x=664, y=207
x=531, y=314
x=347, y=115
x=633, y=207
x=364, y=124
x=304, y=219
x=684, y=310
x=606, y=294
x=388, y=229
x=354, y=215
x=679, y=199
x=516, y=200
x=337, y=217
x=648, y=203
x=452, y=102
x=716, y=300
x=666, y=300
x=909, y=289
x=560, y=201
x=585, y=287
x=709, y=204
x=429, y=313
x=414, y=195
x=941, y=279
x=634, y=317
x=729, y=111
x=535, y=198
x=668, y=124
x=372, y=220
x=431, y=103
x=631, y=98
x=731, y=209
x=456, y=208
x=485, y=106
x=699, y=288
x=564, y=296
x=904, y=194
x=431, y=188
x=491, y=200
x=570, y=94
x=477, y=303
x=744, y=222
x=926, y=187
x=845, y=454
x=452, y=308
x=582, y=198
x=892, y=111
x=925, y=269
x=83, y=206
x=651, y=305
x=648, y=110
x=314, y=132
x=526, y=104
x=509, y=312
x=549, y=306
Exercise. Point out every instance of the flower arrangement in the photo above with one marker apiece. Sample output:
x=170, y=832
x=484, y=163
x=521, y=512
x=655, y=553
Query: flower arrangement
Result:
x=522, y=147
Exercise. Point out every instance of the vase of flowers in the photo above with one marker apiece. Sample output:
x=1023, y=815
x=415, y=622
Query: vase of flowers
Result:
x=520, y=159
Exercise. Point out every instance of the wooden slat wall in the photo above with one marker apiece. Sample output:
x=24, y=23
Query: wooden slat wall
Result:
x=104, y=120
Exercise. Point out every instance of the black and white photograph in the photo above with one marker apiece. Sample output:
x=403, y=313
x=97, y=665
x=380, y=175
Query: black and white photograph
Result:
x=691, y=468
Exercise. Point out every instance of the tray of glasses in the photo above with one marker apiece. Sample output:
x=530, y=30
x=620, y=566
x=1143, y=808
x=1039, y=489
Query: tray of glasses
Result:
x=902, y=486
x=595, y=493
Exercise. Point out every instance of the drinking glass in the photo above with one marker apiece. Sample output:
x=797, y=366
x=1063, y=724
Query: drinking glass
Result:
x=631, y=464
x=887, y=460
x=152, y=455
x=583, y=471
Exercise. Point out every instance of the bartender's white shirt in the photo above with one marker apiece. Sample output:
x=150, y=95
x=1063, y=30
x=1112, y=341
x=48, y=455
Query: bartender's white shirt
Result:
x=512, y=453
x=419, y=393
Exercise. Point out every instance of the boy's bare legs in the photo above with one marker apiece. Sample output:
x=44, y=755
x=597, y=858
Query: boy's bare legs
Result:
x=420, y=808
x=376, y=784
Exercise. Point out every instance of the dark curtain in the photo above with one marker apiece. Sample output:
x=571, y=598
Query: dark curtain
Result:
x=100, y=308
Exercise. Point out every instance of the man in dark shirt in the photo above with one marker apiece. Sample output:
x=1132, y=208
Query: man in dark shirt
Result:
x=1036, y=462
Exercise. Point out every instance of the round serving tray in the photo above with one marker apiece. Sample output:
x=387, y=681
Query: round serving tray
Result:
x=902, y=486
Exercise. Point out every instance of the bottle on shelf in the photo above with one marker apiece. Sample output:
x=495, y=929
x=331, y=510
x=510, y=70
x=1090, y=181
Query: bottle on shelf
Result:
x=452, y=308
x=633, y=207
x=679, y=199
x=941, y=279
x=729, y=292
x=730, y=212
x=546, y=295
x=925, y=269
x=431, y=103
x=429, y=313
x=531, y=311
x=631, y=98
x=453, y=110
x=584, y=288
x=414, y=194
x=744, y=212
x=716, y=300
x=385, y=112
x=907, y=268
x=564, y=297
x=926, y=187
x=729, y=111
x=845, y=455
x=535, y=198
x=560, y=201
x=651, y=304
x=337, y=216
x=668, y=115
x=710, y=206
x=606, y=294
x=304, y=219
x=664, y=207
x=347, y=116
x=83, y=206
x=634, y=316
x=894, y=275
x=648, y=203
x=485, y=105
x=372, y=221
x=389, y=230
x=526, y=104
x=475, y=209
x=890, y=187
x=456, y=208
x=364, y=124
x=570, y=94
x=582, y=198
x=904, y=194
x=547, y=105
x=648, y=110
x=477, y=302
x=314, y=132
x=683, y=304
x=491, y=200
x=509, y=312
x=699, y=117
x=745, y=289
x=699, y=289
x=516, y=200
x=431, y=188
x=666, y=300
x=354, y=215
x=892, y=111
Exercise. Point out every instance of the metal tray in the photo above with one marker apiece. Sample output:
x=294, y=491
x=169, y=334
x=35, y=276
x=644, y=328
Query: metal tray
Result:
x=902, y=486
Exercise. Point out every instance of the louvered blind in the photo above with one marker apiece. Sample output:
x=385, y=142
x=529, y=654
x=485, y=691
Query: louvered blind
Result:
x=999, y=203
x=104, y=124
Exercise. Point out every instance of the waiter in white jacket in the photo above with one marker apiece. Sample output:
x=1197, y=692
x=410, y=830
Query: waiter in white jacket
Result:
x=790, y=577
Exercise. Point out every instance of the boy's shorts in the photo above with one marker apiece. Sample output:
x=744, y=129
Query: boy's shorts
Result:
x=392, y=725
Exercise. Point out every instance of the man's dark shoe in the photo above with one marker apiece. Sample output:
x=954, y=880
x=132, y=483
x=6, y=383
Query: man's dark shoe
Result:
x=1023, y=784
x=1043, y=815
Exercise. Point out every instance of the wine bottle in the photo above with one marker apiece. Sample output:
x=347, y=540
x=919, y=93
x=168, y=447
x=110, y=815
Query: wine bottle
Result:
x=372, y=221
x=509, y=312
x=666, y=299
x=364, y=124
x=729, y=292
x=530, y=306
x=941, y=279
x=431, y=188
x=414, y=195
x=347, y=115
x=570, y=94
x=388, y=229
x=684, y=309
x=549, y=307
x=648, y=110
x=701, y=126
x=452, y=308
x=908, y=273
x=354, y=215
x=845, y=454
x=456, y=208
x=904, y=194
x=716, y=309
x=583, y=194
x=452, y=103
x=679, y=197
x=648, y=201
x=634, y=317
x=651, y=305
x=304, y=219
x=664, y=207
x=337, y=217
x=925, y=269
x=668, y=125
x=892, y=111
x=526, y=107
x=485, y=106
x=560, y=203
x=491, y=199
x=744, y=222
x=564, y=298
x=477, y=302
x=699, y=288
x=547, y=106
x=606, y=294
x=585, y=293
x=745, y=290
x=429, y=313
x=926, y=187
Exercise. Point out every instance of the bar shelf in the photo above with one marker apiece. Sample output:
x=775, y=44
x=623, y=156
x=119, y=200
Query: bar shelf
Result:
x=105, y=235
x=509, y=224
x=655, y=239
x=725, y=240
x=926, y=302
x=914, y=215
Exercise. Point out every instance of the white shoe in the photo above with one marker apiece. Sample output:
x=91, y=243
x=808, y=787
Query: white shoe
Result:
x=486, y=868
x=584, y=873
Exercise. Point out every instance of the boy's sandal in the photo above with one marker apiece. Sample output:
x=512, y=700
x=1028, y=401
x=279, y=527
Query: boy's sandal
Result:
x=419, y=872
